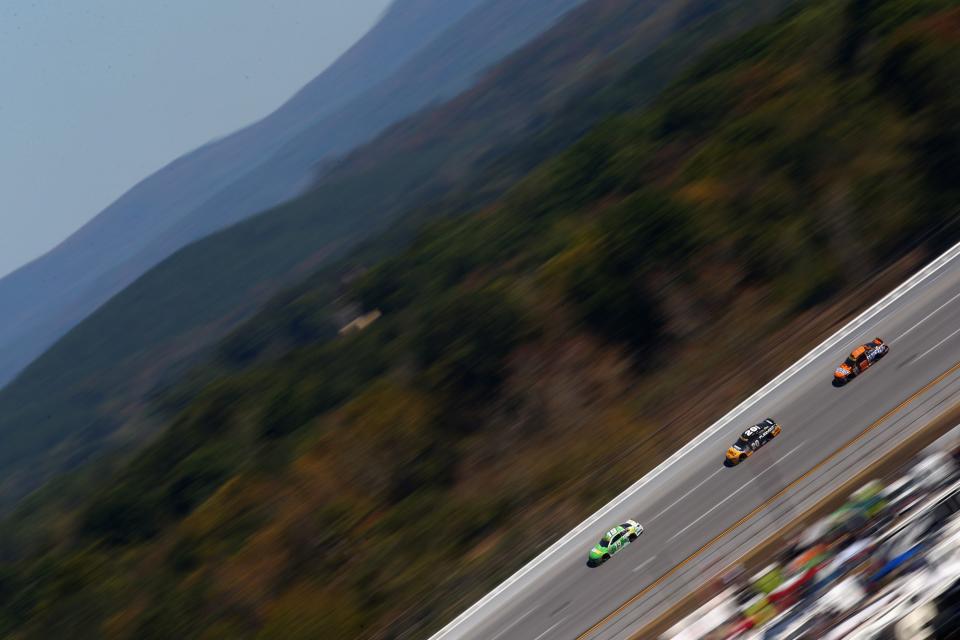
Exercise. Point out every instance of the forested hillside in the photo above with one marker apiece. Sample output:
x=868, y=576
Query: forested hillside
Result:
x=87, y=393
x=530, y=355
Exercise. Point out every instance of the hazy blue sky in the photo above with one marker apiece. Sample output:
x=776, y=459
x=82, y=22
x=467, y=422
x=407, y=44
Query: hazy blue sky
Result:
x=97, y=94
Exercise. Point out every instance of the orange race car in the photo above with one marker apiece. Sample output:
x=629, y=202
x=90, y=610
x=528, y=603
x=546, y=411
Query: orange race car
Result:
x=859, y=360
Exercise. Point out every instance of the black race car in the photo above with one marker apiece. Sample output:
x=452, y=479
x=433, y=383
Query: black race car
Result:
x=751, y=440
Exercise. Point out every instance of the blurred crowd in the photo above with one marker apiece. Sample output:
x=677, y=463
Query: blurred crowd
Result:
x=884, y=566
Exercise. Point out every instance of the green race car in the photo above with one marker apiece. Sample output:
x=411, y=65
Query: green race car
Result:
x=613, y=541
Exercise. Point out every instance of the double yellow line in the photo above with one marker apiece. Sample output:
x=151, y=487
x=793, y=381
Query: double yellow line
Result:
x=653, y=585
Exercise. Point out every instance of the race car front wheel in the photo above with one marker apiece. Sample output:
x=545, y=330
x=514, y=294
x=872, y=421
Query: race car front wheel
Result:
x=633, y=537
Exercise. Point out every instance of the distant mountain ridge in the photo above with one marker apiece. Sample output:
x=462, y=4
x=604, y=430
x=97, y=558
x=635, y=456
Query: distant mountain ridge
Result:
x=42, y=300
x=439, y=69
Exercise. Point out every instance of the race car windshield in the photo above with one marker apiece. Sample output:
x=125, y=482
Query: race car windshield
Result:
x=739, y=446
x=850, y=362
x=602, y=543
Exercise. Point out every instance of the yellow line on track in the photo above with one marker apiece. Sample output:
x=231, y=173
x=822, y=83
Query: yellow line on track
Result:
x=653, y=585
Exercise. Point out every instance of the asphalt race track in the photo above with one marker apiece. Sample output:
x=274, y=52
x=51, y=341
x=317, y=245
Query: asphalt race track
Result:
x=700, y=515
